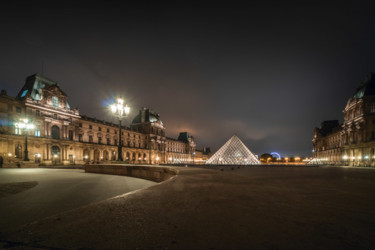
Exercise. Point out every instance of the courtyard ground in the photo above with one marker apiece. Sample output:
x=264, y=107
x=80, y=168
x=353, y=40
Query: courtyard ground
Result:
x=243, y=208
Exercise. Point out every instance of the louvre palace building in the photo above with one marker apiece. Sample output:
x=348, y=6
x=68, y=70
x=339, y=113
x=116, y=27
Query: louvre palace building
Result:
x=352, y=142
x=61, y=135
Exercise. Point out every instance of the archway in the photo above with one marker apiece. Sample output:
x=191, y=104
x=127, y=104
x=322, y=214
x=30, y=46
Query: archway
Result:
x=55, y=132
x=86, y=155
x=55, y=154
x=105, y=155
x=96, y=155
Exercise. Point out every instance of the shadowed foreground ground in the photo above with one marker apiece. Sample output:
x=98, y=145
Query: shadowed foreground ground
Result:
x=271, y=207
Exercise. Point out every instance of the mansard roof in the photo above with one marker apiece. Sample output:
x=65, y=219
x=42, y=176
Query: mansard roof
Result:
x=366, y=87
x=329, y=127
x=34, y=85
x=147, y=115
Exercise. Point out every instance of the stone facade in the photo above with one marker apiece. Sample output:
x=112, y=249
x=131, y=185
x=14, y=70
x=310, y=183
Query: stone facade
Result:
x=63, y=136
x=353, y=141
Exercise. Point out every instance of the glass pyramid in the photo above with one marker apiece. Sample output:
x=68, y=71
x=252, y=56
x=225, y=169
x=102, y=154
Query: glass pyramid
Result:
x=233, y=152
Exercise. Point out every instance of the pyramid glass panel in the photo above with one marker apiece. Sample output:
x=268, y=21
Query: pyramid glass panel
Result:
x=233, y=152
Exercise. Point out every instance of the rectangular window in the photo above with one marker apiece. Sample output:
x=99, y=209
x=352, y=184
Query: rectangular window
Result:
x=80, y=137
x=80, y=125
x=372, y=107
x=17, y=131
x=71, y=135
x=90, y=139
x=18, y=109
x=108, y=141
x=37, y=112
x=99, y=140
x=55, y=101
x=100, y=129
x=37, y=132
x=115, y=142
x=107, y=130
x=90, y=126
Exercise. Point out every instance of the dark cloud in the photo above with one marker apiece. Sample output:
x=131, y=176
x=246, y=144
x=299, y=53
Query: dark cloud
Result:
x=265, y=70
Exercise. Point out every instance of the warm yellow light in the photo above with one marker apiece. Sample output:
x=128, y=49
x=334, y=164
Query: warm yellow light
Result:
x=126, y=110
x=55, y=156
x=345, y=157
x=9, y=154
x=120, y=101
x=113, y=108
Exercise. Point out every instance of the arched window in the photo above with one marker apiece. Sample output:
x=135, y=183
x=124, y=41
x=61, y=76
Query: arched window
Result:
x=55, y=152
x=18, y=151
x=55, y=132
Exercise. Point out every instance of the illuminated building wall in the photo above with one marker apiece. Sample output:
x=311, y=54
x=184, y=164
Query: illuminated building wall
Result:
x=63, y=136
x=353, y=141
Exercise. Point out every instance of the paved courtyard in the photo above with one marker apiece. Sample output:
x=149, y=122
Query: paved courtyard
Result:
x=27, y=195
x=245, y=208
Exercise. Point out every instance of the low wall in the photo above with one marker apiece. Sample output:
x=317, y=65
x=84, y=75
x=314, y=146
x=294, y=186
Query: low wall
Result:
x=152, y=173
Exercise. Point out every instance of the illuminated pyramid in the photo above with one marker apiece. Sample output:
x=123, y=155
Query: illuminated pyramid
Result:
x=233, y=152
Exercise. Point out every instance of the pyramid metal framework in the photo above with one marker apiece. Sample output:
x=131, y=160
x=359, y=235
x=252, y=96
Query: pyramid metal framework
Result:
x=233, y=152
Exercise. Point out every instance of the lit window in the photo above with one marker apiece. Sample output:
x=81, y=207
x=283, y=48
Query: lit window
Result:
x=17, y=131
x=372, y=107
x=37, y=132
x=24, y=93
x=55, y=101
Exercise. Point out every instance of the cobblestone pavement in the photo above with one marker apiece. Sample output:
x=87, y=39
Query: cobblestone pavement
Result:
x=31, y=194
x=245, y=208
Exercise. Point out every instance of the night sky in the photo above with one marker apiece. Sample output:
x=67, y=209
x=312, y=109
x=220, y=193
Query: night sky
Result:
x=268, y=71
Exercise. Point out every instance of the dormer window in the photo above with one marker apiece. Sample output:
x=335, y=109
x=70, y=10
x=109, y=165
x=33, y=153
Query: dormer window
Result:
x=55, y=101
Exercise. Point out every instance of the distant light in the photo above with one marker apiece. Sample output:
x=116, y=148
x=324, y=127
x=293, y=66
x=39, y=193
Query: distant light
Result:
x=345, y=157
x=275, y=153
x=366, y=157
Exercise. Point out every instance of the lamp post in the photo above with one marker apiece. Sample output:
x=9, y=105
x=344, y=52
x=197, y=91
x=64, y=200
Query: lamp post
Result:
x=9, y=155
x=193, y=158
x=24, y=124
x=121, y=111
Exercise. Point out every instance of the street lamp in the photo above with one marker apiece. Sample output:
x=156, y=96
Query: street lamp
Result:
x=74, y=160
x=24, y=124
x=193, y=158
x=9, y=155
x=121, y=111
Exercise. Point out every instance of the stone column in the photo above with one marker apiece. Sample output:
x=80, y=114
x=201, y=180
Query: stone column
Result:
x=47, y=151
